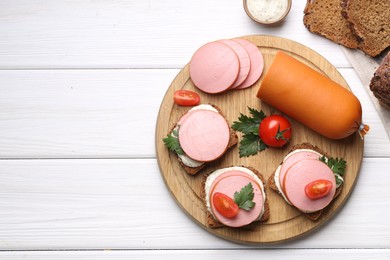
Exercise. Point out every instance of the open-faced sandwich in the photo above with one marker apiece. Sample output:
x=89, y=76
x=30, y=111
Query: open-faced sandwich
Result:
x=202, y=135
x=308, y=179
x=234, y=197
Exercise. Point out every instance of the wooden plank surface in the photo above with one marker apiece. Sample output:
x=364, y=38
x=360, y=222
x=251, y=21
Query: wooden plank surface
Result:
x=84, y=79
x=124, y=34
x=305, y=254
x=96, y=204
x=117, y=121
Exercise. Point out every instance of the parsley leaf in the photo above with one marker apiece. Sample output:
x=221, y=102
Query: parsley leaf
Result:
x=244, y=198
x=172, y=142
x=249, y=126
x=250, y=145
x=257, y=116
x=245, y=124
x=337, y=166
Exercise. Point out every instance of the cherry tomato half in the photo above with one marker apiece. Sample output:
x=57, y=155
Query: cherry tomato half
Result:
x=186, y=98
x=275, y=130
x=318, y=189
x=225, y=205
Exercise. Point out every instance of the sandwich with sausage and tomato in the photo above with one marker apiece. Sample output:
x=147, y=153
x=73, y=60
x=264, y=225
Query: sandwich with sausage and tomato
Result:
x=235, y=197
x=308, y=179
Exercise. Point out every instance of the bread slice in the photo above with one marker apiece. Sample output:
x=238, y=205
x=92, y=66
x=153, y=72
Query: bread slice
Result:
x=323, y=17
x=271, y=180
x=233, y=140
x=212, y=222
x=370, y=21
x=380, y=82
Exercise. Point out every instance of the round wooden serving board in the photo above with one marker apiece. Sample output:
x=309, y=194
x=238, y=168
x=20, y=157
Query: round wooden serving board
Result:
x=285, y=222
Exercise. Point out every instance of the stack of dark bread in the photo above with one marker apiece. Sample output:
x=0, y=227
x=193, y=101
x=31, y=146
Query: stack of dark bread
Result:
x=356, y=24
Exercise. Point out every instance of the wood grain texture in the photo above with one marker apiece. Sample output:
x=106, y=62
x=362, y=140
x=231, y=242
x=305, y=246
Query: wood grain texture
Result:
x=39, y=106
x=73, y=78
x=285, y=223
x=96, y=204
x=123, y=34
x=117, y=120
x=307, y=254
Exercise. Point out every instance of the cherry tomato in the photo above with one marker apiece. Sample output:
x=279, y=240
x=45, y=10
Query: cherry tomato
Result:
x=275, y=130
x=186, y=98
x=318, y=189
x=225, y=205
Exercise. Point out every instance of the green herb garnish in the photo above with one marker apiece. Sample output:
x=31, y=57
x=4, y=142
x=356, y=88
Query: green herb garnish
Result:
x=244, y=198
x=172, y=142
x=249, y=126
x=337, y=166
x=250, y=145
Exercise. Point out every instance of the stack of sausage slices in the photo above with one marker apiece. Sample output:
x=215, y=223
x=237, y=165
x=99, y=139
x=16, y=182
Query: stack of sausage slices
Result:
x=225, y=65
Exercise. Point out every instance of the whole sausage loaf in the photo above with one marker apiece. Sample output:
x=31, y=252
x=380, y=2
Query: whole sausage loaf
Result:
x=311, y=98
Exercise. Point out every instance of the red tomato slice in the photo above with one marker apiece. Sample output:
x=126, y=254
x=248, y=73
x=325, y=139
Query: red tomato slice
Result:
x=186, y=98
x=225, y=205
x=318, y=189
x=275, y=130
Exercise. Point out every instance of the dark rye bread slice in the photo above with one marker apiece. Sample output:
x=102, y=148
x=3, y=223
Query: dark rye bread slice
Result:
x=232, y=142
x=212, y=222
x=271, y=181
x=380, y=82
x=370, y=21
x=323, y=17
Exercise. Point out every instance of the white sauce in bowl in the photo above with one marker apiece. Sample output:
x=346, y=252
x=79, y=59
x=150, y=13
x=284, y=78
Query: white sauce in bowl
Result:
x=267, y=10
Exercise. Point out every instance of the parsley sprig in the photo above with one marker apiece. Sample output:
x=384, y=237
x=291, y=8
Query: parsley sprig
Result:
x=172, y=142
x=337, y=165
x=249, y=126
x=244, y=198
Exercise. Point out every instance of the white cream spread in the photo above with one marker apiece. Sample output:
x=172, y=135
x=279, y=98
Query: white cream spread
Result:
x=277, y=183
x=211, y=178
x=204, y=107
x=183, y=157
x=188, y=161
x=267, y=10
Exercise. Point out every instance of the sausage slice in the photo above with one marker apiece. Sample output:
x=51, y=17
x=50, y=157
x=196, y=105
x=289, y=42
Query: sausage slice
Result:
x=204, y=135
x=302, y=173
x=214, y=67
x=257, y=63
x=244, y=59
x=229, y=186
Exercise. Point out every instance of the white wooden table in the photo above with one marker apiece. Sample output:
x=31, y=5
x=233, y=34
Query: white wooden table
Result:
x=80, y=87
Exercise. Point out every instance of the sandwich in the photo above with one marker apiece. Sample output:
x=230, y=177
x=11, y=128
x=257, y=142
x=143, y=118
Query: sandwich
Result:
x=202, y=135
x=308, y=179
x=234, y=197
